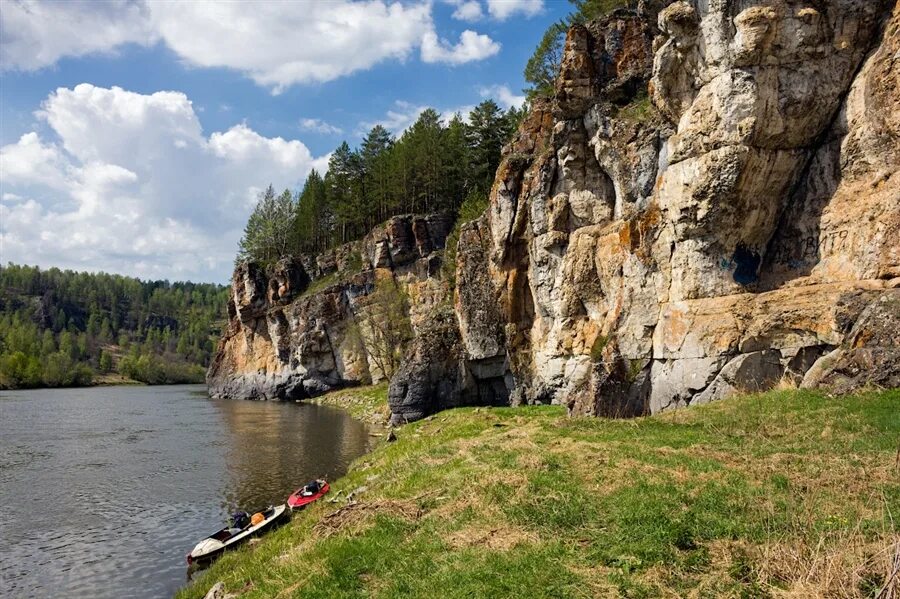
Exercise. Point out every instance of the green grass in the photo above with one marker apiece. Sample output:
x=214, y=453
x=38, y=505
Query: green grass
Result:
x=788, y=492
x=368, y=404
x=322, y=284
x=639, y=110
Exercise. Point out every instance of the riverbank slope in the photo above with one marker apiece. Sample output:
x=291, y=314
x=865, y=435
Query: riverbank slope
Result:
x=788, y=492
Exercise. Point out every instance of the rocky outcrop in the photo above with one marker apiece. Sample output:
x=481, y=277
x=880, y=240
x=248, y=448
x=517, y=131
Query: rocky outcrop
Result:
x=299, y=330
x=709, y=204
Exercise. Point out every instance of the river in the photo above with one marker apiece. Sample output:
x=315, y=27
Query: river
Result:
x=105, y=489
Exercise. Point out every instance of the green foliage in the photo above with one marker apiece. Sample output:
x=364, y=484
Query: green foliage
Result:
x=18, y=370
x=488, y=130
x=433, y=167
x=587, y=10
x=270, y=231
x=639, y=110
x=105, y=362
x=155, y=370
x=473, y=207
x=542, y=68
x=59, y=327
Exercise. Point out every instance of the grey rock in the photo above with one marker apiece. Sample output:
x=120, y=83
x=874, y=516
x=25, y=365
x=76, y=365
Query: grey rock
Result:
x=217, y=591
x=753, y=372
x=870, y=357
x=431, y=377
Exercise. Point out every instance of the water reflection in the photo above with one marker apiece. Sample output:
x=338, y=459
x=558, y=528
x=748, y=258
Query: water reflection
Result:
x=105, y=490
x=277, y=447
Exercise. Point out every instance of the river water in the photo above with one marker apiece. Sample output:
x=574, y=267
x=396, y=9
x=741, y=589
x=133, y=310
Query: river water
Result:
x=104, y=490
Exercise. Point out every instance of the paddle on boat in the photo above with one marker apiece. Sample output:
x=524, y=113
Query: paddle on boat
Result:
x=243, y=526
x=308, y=493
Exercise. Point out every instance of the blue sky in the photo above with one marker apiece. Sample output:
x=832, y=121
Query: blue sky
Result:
x=135, y=136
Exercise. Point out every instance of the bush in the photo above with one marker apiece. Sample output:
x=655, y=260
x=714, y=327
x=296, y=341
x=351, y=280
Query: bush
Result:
x=473, y=207
x=153, y=370
x=18, y=371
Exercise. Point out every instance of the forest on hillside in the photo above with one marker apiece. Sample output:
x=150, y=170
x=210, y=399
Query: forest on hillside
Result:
x=434, y=166
x=63, y=328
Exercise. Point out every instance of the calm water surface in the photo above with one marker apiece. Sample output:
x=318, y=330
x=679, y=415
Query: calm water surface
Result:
x=104, y=490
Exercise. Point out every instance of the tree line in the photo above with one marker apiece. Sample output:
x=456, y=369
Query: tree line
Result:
x=63, y=328
x=432, y=167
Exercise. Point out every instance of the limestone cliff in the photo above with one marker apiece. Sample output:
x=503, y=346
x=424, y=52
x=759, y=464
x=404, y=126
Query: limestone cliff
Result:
x=709, y=203
x=299, y=330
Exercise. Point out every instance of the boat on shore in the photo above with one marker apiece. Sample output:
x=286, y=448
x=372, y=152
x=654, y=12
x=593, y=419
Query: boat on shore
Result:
x=242, y=527
x=308, y=493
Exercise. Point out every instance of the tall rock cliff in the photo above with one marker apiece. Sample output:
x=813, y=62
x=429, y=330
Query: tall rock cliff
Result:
x=317, y=323
x=709, y=203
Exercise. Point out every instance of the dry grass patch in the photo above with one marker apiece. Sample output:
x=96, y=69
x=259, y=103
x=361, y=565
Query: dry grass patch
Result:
x=499, y=537
x=354, y=517
x=839, y=566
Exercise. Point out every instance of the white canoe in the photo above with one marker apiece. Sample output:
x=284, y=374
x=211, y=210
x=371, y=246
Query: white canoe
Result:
x=228, y=537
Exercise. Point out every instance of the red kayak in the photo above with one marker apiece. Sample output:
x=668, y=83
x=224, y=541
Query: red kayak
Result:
x=308, y=493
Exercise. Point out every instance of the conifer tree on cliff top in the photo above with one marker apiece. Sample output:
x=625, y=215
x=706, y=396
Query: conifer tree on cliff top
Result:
x=433, y=167
x=269, y=232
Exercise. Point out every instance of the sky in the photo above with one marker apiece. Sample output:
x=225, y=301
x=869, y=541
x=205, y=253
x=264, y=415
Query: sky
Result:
x=135, y=136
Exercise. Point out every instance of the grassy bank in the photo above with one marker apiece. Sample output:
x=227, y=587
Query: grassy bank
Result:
x=368, y=404
x=786, y=493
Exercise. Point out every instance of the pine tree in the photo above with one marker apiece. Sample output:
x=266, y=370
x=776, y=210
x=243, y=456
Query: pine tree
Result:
x=424, y=139
x=269, y=233
x=342, y=190
x=486, y=133
x=375, y=152
x=455, y=176
x=542, y=68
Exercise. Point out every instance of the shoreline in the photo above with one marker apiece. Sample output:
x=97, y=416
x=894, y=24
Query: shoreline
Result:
x=503, y=501
x=120, y=383
x=365, y=403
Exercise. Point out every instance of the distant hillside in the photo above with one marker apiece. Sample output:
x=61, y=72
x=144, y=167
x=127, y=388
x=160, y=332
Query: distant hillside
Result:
x=63, y=328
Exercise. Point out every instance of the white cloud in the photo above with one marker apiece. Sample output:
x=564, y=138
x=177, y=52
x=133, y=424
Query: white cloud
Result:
x=277, y=44
x=503, y=9
x=36, y=34
x=319, y=126
x=405, y=114
x=131, y=184
x=11, y=198
x=396, y=121
x=503, y=95
x=467, y=10
x=471, y=46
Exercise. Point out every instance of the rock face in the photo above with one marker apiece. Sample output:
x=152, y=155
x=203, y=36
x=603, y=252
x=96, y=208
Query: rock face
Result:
x=709, y=204
x=296, y=331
